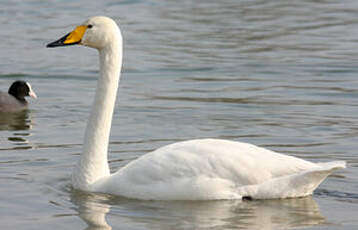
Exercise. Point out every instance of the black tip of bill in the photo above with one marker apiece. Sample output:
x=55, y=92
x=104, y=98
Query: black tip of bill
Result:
x=60, y=42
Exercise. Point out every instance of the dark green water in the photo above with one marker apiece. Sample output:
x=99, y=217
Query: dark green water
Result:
x=278, y=74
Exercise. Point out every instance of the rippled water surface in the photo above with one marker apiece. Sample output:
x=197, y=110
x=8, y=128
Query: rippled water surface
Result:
x=278, y=74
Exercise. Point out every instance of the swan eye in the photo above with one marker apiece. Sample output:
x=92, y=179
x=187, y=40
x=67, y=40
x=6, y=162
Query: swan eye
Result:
x=89, y=26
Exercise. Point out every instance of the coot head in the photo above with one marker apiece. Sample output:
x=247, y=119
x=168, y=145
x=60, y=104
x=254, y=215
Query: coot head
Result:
x=20, y=90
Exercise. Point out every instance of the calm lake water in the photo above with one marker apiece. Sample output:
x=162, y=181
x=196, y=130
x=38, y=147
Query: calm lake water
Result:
x=279, y=74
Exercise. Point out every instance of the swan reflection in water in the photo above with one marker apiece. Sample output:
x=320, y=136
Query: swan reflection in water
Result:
x=124, y=213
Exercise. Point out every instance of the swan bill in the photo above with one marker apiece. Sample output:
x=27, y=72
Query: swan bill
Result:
x=71, y=38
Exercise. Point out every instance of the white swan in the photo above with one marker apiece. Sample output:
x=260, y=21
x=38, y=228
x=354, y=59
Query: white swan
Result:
x=201, y=169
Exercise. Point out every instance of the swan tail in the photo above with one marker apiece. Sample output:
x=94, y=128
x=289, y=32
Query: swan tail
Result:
x=296, y=185
x=333, y=165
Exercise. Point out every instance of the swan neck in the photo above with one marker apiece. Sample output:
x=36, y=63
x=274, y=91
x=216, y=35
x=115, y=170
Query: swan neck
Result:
x=93, y=164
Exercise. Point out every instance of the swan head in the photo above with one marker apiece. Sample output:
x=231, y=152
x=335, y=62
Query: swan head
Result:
x=97, y=32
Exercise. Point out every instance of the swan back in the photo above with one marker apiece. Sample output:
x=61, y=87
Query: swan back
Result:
x=211, y=169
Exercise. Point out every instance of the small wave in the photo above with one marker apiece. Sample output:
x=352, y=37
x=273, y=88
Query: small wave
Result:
x=336, y=194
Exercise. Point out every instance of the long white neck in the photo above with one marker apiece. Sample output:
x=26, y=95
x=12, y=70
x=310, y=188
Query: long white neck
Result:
x=93, y=164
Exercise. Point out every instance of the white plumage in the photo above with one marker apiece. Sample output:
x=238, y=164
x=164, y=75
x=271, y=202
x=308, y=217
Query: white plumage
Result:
x=203, y=169
x=208, y=169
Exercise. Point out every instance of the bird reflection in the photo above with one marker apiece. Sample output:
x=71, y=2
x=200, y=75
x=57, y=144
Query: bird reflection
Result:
x=92, y=209
x=15, y=121
x=257, y=214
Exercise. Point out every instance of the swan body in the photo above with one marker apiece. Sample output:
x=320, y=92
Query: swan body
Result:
x=208, y=169
x=203, y=169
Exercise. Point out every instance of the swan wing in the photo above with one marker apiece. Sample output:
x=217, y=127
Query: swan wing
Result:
x=294, y=185
x=201, y=170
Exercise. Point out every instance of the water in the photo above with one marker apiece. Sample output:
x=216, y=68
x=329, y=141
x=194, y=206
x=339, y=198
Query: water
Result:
x=279, y=74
